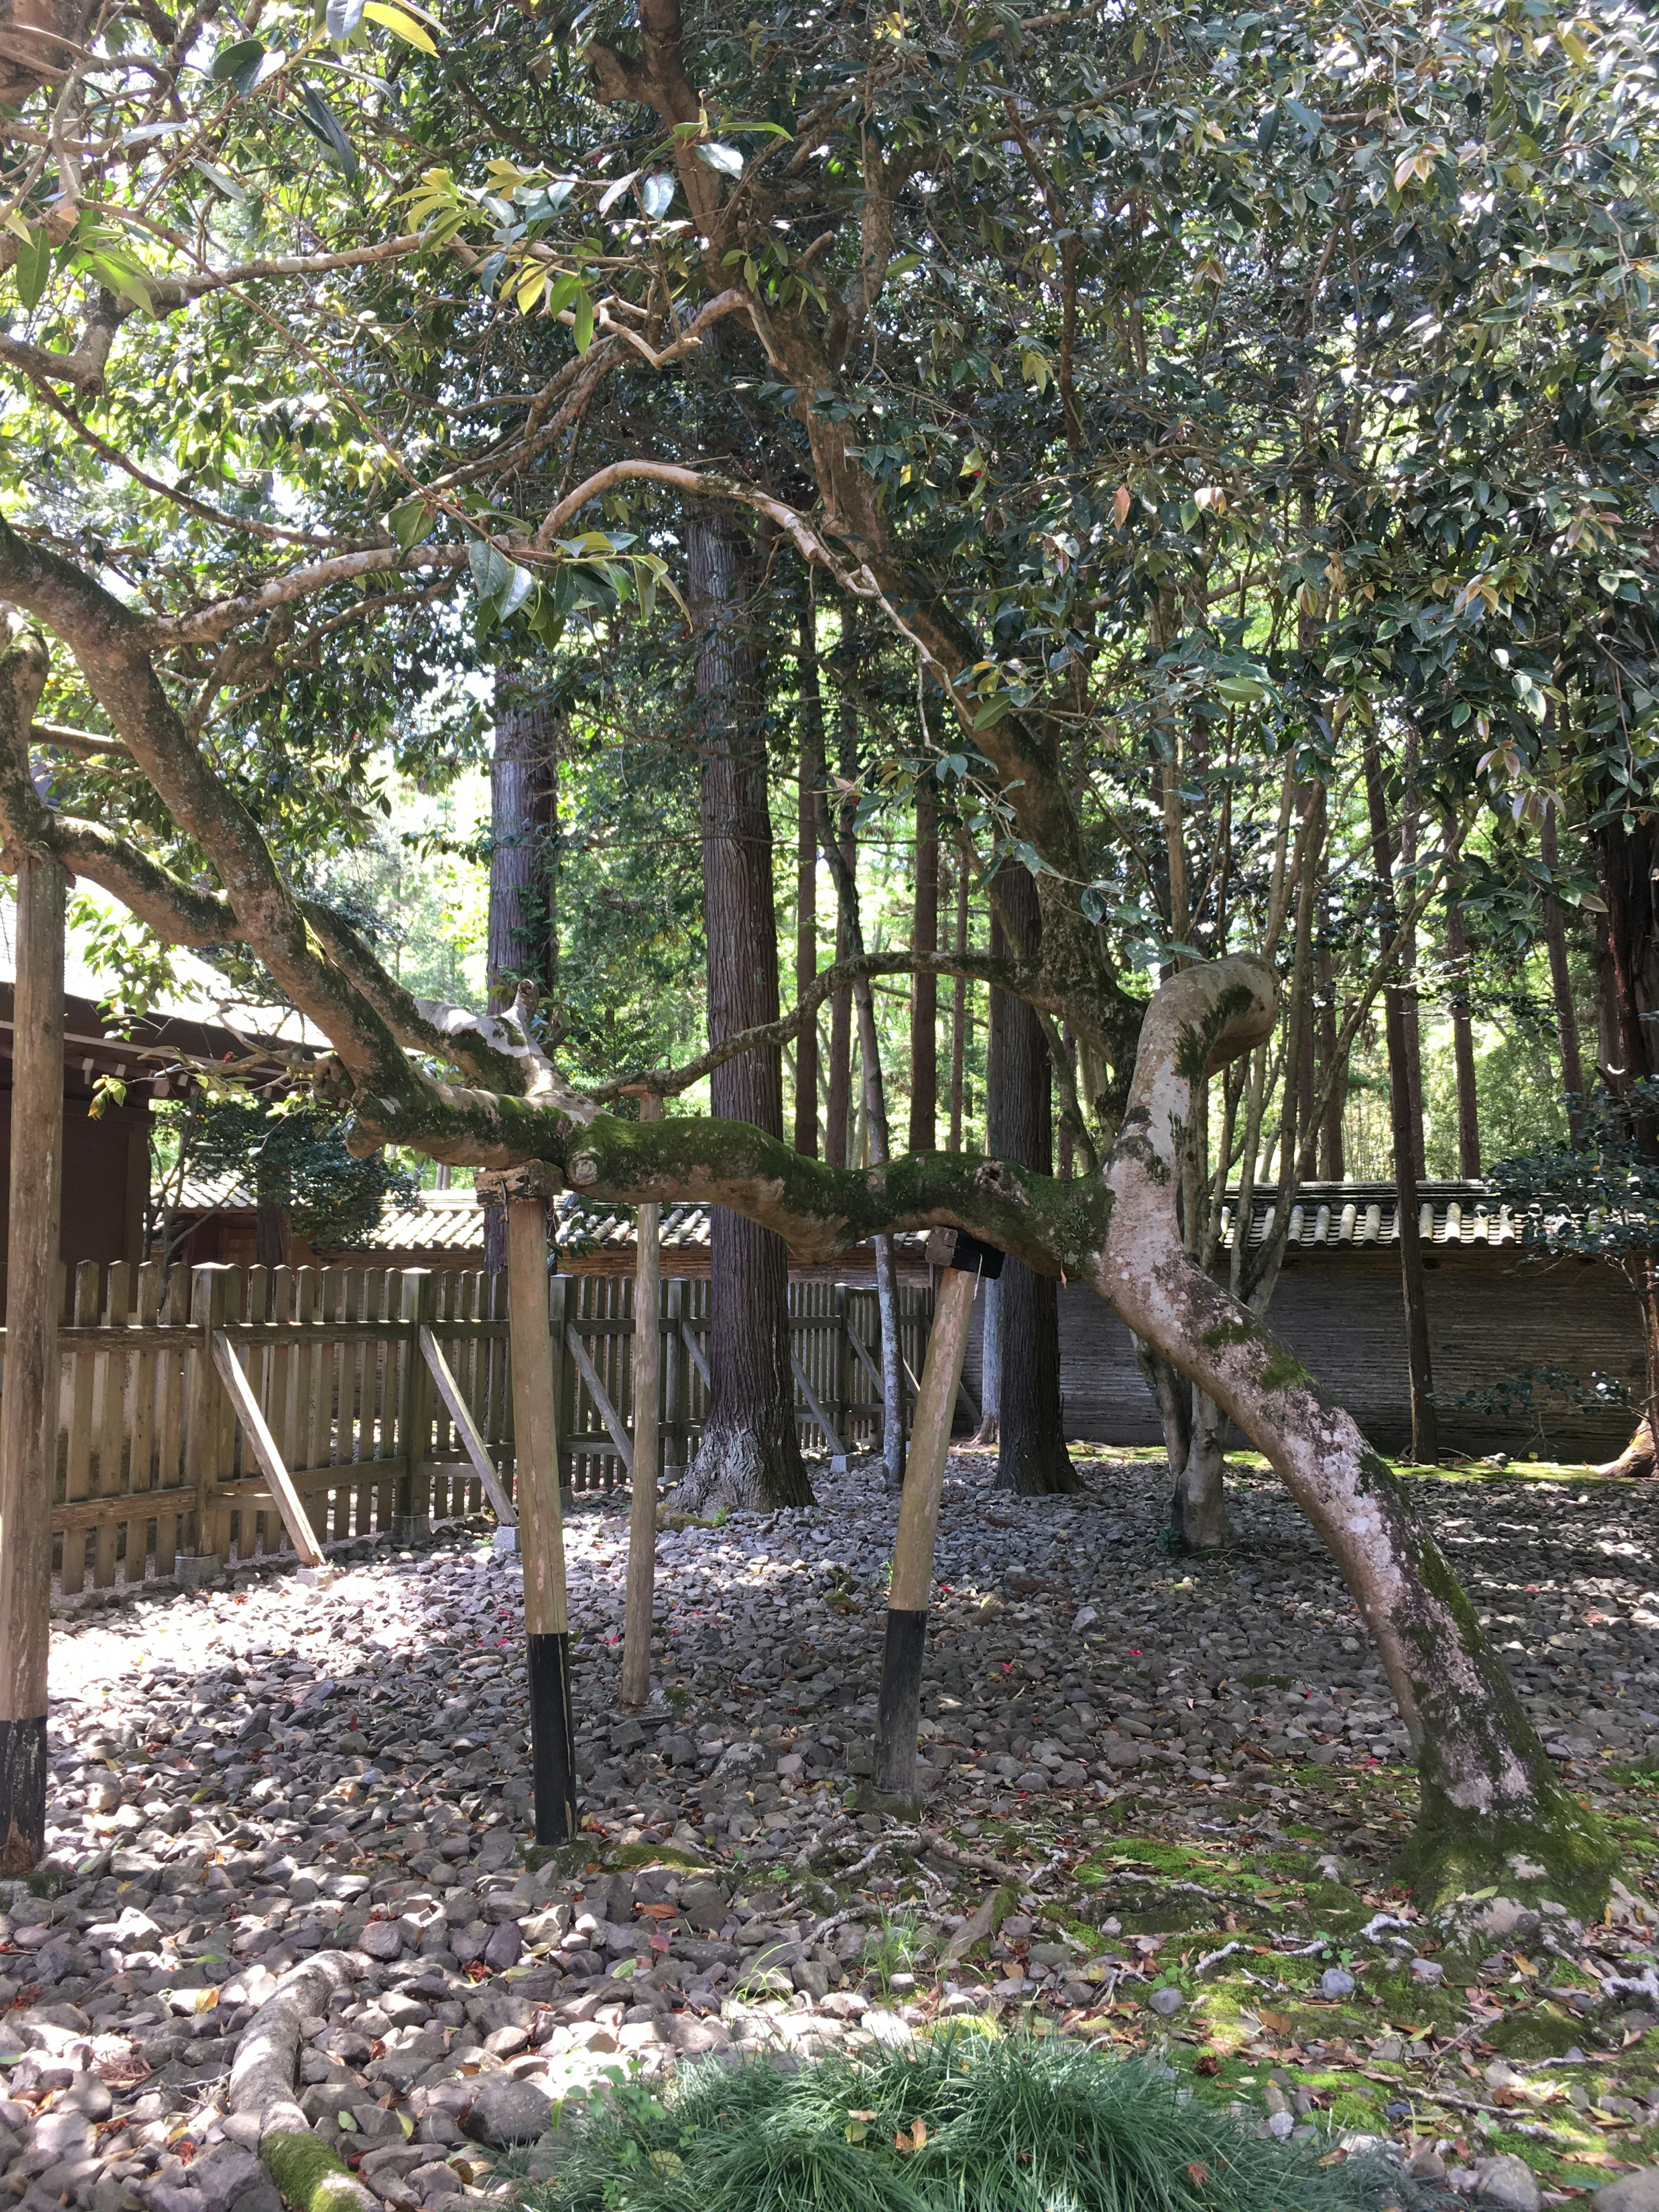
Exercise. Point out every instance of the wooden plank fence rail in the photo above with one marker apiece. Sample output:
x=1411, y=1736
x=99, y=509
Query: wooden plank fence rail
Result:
x=206, y=1415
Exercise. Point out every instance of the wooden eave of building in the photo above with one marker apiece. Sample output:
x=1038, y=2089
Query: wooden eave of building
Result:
x=153, y=1054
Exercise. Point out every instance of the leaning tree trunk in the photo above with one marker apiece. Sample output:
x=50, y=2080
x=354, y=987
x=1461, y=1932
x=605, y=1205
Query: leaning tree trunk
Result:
x=1031, y=1454
x=750, y=1453
x=1492, y=1809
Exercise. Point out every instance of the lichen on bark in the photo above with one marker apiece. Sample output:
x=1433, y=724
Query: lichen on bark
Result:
x=309, y=2175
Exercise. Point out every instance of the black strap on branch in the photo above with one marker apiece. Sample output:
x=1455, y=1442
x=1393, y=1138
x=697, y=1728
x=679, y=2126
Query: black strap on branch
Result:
x=955, y=1248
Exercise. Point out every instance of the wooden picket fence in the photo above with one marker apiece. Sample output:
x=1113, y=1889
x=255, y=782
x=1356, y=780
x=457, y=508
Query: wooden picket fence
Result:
x=158, y=1473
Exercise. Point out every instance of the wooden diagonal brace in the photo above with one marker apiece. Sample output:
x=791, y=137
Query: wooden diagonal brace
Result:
x=467, y=1429
x=596, y=1390
x=300, y=1534
x=818, y=1413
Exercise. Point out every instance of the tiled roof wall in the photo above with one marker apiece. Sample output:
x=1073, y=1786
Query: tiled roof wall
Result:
x=1334, y=1216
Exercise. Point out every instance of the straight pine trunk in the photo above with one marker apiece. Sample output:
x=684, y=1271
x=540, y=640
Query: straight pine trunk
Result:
x=1426, y=1442
x=1469, y=1101
x=807, y=878
x=839, y=1134
x=750, y=1453
x=1566, y=1010
x=1031, y=1454
x=924, y=1000
x=1333, y=1164
x=959, y=1011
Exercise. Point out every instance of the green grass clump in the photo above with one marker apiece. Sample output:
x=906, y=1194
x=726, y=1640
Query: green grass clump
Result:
x=960, y=2124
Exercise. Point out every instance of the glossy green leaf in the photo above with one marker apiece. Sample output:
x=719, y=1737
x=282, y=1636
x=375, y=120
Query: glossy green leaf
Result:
x=34, y=266
x=412, y=521
x=326, y=125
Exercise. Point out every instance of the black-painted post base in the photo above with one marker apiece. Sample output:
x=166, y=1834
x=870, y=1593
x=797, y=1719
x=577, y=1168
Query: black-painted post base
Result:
x=22, y=1795
x=552, y=1739
x=893, y=1780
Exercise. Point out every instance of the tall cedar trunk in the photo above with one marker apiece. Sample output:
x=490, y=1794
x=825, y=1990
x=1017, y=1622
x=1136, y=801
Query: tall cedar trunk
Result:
x=923, y=999
x=838, y=1131
x=1469, y=1101
x=1625, y=864
x=807, y=878
x=273, y=1238
x=990, y=1357
x=873, y=1103
x=750, y=1454
x=959, y=1011
x=1031, y=1454
x=1065, y=1149
x=521, y=798
x=1425, y=1443
x=1411, y=1004
x=1332, y=1164
x=1566, y=1010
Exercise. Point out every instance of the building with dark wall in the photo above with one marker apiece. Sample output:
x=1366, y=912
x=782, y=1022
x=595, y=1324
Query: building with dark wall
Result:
x=1493, y=1311
x=106, y=1158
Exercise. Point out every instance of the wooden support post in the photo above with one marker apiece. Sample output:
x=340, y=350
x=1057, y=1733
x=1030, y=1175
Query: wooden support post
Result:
x=524, y=1192
x=893, y=1782
x=209, y=1298
x=29, y=1406
x=647, y=1405
x=841, y=1460
x=411, y=1518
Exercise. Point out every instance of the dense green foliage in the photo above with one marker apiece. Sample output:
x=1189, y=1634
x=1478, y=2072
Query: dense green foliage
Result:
x=291, y=1154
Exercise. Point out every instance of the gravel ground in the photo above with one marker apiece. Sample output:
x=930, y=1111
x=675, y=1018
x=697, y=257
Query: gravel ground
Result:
x=262, y=1772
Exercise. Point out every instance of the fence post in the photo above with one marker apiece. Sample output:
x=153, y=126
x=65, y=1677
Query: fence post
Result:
x=204, y=1406
x=524, y=1192
x=838, y=1465
x=29, y=1406
x=559, y=1318
x=411, y=1518
x=892, y=1787
x=674, y=1383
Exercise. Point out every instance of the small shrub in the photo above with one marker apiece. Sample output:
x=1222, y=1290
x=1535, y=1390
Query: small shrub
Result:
x=958, y=2124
